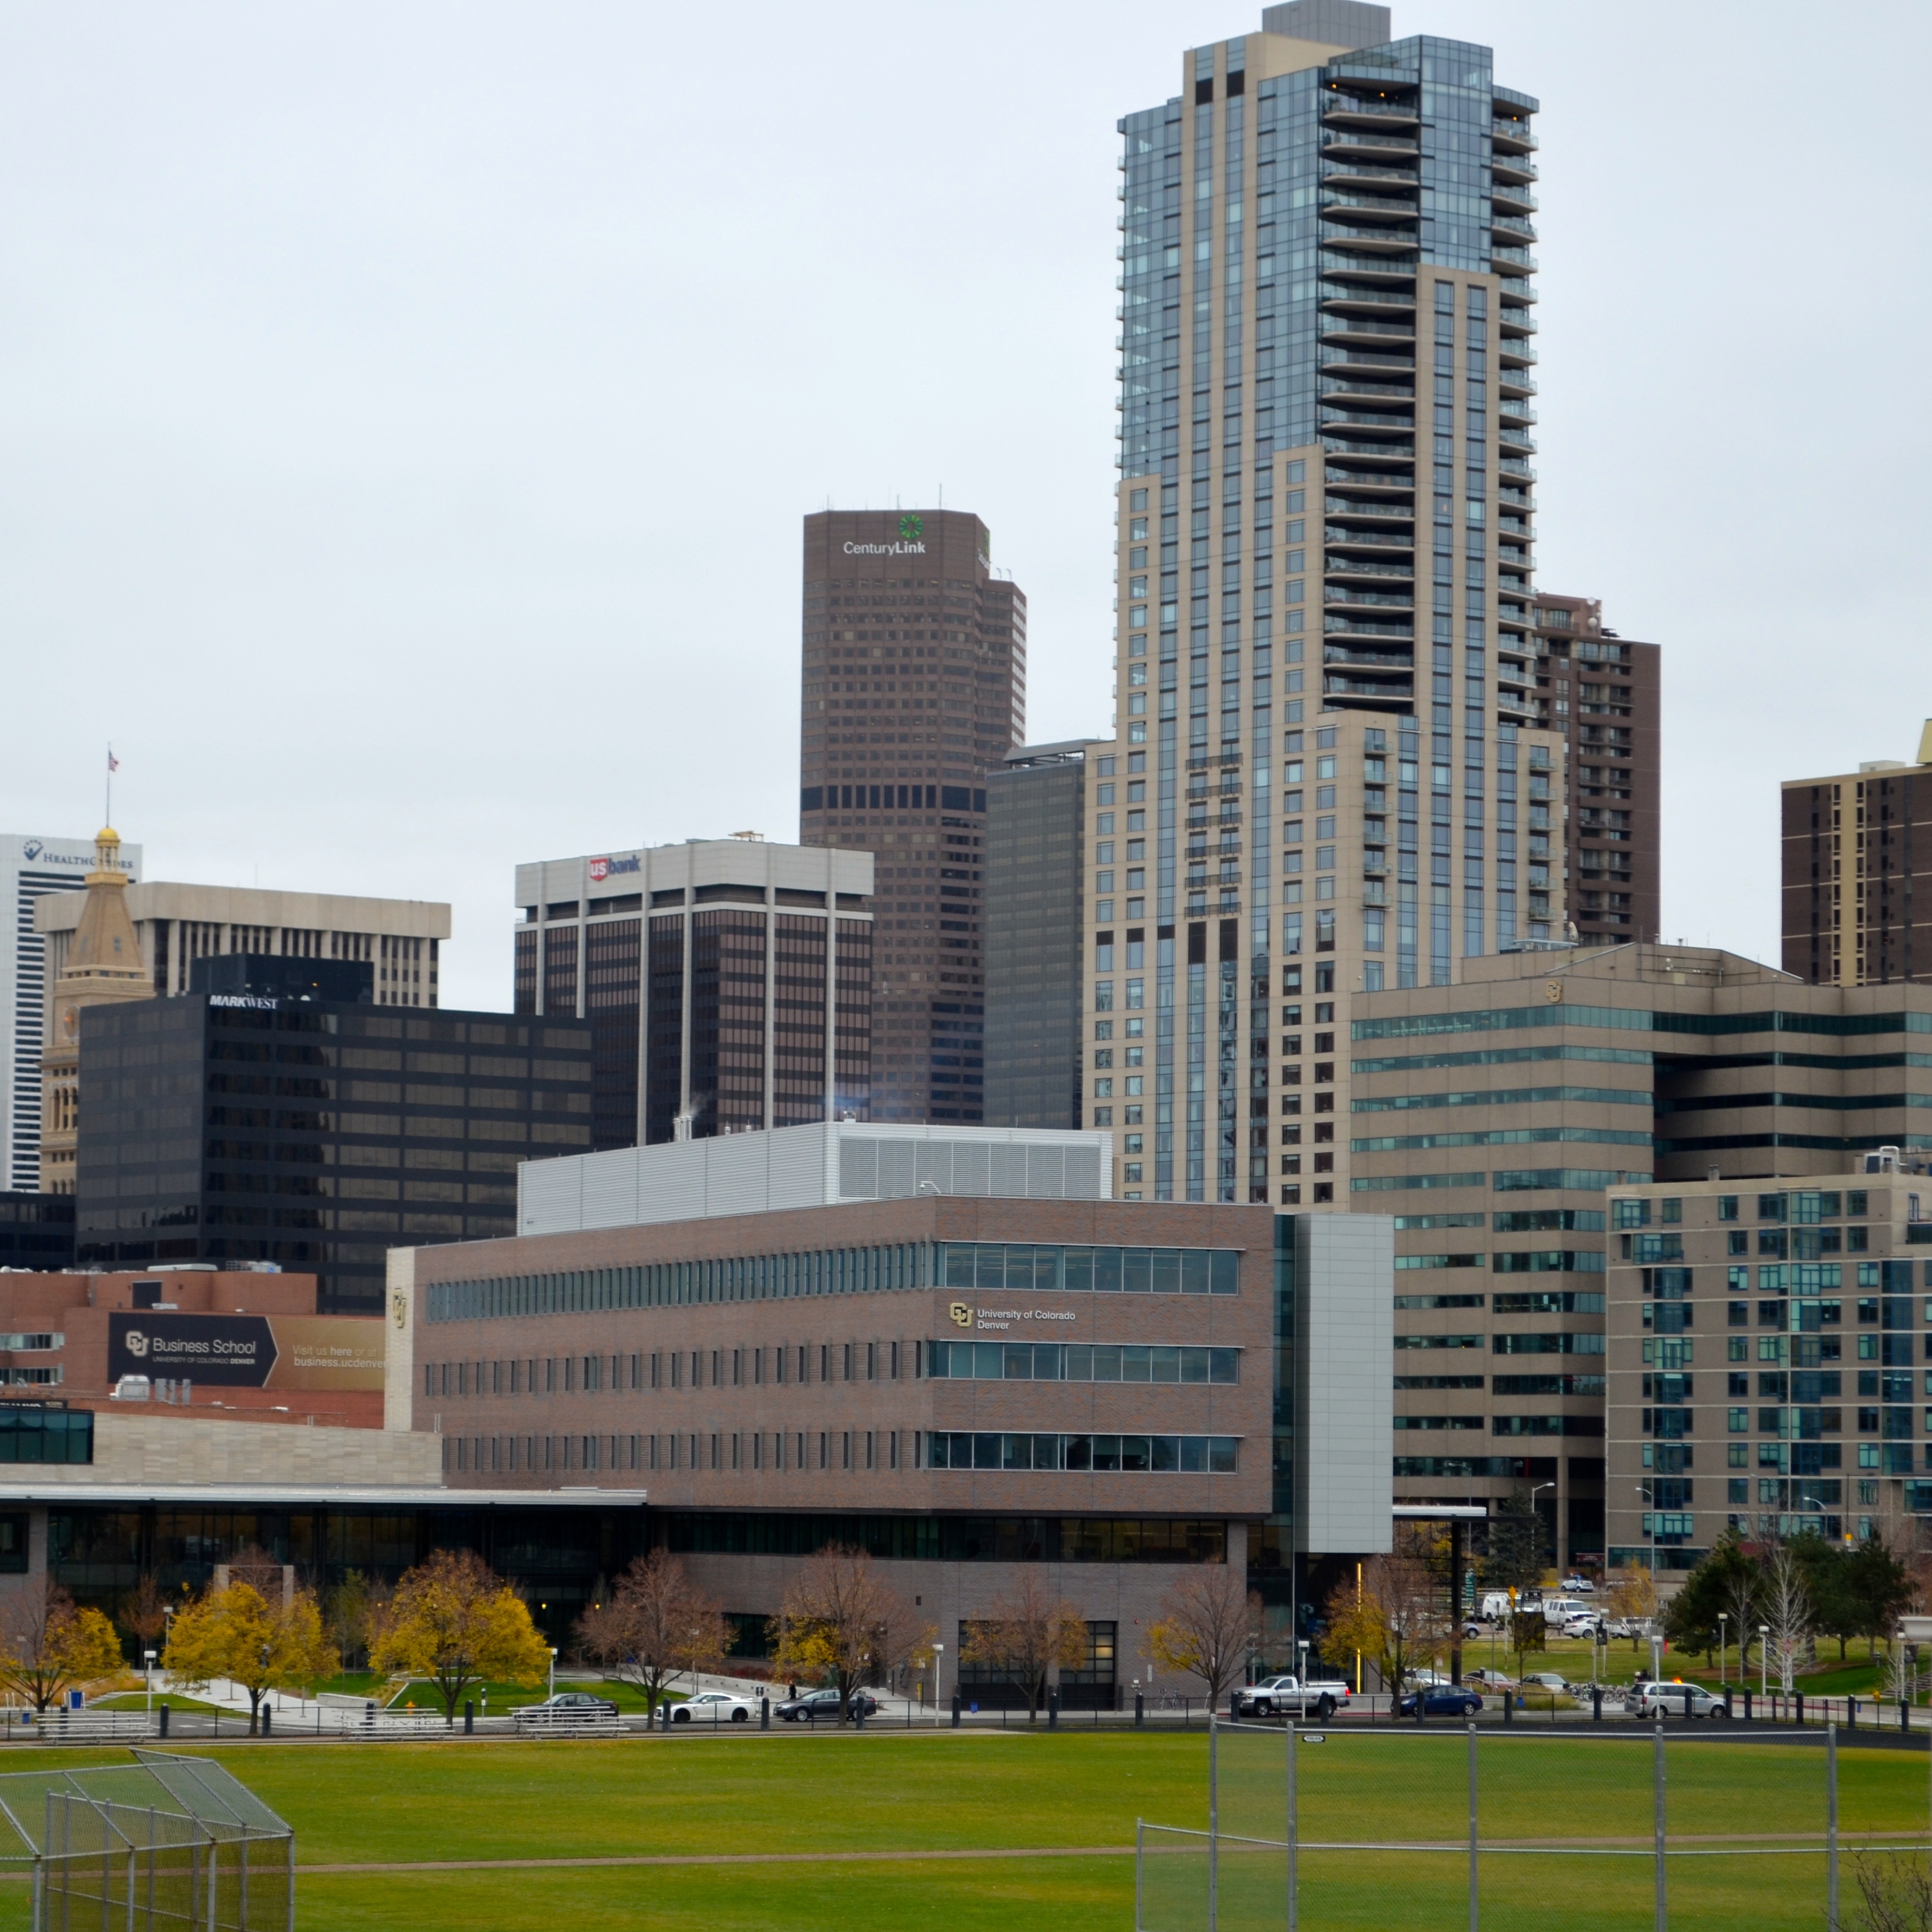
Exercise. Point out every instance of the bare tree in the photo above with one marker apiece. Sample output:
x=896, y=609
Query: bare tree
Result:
x=654, y=1627
x=1784, y=1605
x=1027, y=1635
x=1745, y=1587
x=1895, y=1893
x=841, y=1617
x=1208, y=1623
x=1402, y=1584
x=144, y=1612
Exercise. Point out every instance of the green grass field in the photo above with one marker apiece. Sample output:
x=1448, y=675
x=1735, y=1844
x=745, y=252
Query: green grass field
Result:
x=1060, y=1801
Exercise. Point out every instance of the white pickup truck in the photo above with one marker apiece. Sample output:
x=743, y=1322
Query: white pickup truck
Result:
x=1288, y=1696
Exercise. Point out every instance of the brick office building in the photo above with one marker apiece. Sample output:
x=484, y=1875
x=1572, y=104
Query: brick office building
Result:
x=870, y=1372
x=913, y=688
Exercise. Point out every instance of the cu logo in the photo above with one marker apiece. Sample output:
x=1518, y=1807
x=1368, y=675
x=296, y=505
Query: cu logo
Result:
x=962, y=1315
x=137, y=1343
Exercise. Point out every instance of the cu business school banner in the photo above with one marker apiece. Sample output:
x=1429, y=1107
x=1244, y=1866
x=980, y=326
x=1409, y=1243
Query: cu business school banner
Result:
x=274, y=1351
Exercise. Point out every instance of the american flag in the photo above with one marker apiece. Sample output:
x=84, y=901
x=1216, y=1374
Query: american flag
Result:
x=113, y=763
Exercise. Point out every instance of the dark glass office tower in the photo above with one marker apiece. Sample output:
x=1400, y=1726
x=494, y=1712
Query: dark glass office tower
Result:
x=1035, y=866
x=914, y=688
x=234, y=1127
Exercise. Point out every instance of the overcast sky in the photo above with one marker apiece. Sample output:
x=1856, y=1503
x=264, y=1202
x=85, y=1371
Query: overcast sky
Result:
x=406, y=411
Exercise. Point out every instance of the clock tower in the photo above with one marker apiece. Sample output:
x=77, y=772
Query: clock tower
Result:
x=104, y=964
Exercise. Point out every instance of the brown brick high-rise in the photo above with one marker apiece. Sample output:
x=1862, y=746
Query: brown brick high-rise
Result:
x=914, y=685
x=1858, y=873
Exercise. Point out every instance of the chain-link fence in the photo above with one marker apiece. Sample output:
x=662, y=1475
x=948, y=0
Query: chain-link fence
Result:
x=1312, y=1829
x=165, y=1841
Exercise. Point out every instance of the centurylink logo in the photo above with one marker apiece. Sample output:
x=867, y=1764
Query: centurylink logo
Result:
x=911, y=528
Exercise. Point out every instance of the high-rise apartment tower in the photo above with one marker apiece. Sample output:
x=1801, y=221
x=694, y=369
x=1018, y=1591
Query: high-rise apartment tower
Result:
x=1333, y=776
x=1602, y=694
x=1857, y=851
x=914, y=687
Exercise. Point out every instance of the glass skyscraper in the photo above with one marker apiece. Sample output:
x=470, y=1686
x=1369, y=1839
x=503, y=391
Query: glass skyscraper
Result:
x=1329, y=778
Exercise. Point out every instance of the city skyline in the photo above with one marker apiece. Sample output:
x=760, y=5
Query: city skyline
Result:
x=317, y=397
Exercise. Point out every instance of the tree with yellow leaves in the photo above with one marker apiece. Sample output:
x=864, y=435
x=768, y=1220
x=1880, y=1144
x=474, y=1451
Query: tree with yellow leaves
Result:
x=841, y=1617
x=252, y=1640
x=48, y=1646
x=456, y=1622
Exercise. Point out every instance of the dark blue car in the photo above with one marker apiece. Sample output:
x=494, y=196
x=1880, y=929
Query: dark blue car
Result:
x=1449, y=1702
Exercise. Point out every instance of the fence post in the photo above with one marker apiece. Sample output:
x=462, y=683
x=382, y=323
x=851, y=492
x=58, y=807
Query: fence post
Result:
x=1475, y=1922
x=1596, y=1703
x=164, y=1720
x=1293, y=1830
x=468, y=1716
x=1053, y=1708
x=1832, y=1828
x=1213, y=1824
x=956, y=1710
x=1662, y=1912
x=765, y=1712
x=1140, y=1710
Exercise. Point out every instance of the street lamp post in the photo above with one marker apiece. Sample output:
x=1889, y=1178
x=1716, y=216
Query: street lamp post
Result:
x=1723, y=1622
x=1649, y=1495
x=1533, y=1495
x=938, y=1673
x=1764, y=1661
x=552, y=1673
x=147, y=1671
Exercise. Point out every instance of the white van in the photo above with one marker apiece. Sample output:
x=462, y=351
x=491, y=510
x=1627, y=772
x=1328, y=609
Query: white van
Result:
x=1561, y=1609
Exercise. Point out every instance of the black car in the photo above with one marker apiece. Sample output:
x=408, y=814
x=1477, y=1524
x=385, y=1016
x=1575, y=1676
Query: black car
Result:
x=1446, y=1702
x=822, y=1707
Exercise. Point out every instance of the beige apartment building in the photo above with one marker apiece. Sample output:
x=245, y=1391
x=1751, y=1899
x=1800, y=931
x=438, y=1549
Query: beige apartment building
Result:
x=1761, y=1354
x=176, y=924
x=1495, y=1119
x=1858, y=873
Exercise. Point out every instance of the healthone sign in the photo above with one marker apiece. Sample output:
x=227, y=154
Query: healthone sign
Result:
x=266, y=1351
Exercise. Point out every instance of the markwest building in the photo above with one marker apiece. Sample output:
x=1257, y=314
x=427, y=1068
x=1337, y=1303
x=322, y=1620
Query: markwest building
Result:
x=1493, y=1121
x=947, y=1346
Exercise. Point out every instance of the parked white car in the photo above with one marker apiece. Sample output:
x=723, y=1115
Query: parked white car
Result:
x=714, y=1707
